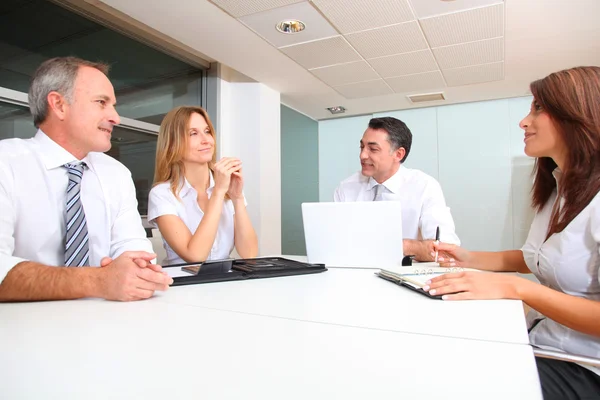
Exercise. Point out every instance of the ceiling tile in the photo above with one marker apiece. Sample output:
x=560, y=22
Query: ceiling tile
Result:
x=322, y=53
x=238, y=8
x=429, y=8
x=473, y=53
x=474, y=74
x=358, y=15
x=264, y=24
x=404, y=64
x=364, y=89
x=395, y=39
x=343, y=74
x=468, y=26
x=417, y=82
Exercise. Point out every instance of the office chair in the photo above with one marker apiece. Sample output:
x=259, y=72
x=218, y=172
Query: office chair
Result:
x=558, y=355
x=157, y=245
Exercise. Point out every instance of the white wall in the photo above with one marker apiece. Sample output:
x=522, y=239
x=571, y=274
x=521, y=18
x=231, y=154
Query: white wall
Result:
x=249, y=128
x=339, y=141
x=475, y=150
x=424, y=152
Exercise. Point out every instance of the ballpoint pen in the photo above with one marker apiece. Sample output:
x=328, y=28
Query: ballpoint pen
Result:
x=437, y=242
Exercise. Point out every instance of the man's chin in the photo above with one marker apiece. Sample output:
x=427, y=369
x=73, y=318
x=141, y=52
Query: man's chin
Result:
x=367, y=172
x=103, y=147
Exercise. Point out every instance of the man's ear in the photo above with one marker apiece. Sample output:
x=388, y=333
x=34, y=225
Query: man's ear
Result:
x=400, y=153
x=57, y=105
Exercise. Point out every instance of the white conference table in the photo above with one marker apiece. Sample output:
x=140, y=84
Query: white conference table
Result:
x=343, y=333
x=95, y=349
x=357, y=298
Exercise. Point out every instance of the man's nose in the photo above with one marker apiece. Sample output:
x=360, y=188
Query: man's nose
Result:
x=114, y=118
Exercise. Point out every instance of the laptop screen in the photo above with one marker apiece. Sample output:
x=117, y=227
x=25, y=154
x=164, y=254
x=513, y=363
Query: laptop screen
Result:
x=354, y=234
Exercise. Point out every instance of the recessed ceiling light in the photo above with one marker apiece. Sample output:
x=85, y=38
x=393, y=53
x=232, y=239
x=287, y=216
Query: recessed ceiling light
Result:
x=337, y=110
x=290, y=26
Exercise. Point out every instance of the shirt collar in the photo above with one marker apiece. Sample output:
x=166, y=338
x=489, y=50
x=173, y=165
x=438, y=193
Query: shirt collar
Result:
x=53, y=154
x=393, y=184
x=557, y=173
x=186, y=187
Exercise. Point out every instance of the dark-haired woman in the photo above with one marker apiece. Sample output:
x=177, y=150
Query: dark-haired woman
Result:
x=562, y=131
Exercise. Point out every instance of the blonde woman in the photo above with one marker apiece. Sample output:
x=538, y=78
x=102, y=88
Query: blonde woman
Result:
x=198, y=203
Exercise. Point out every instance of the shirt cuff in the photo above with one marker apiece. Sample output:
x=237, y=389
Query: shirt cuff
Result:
x=7, y=263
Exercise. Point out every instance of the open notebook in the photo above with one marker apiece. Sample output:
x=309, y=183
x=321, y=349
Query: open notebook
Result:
x=416, y=276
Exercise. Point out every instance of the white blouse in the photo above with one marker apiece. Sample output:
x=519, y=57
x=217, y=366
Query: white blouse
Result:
x=567, y=262
x=162, y=201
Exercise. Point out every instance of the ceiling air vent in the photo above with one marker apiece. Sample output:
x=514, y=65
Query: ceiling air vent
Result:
x=419, y=98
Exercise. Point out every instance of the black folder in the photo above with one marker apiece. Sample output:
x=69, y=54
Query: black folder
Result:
x=240, y=269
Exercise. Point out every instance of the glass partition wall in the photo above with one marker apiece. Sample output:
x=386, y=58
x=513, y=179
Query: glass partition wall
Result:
x=148, y=83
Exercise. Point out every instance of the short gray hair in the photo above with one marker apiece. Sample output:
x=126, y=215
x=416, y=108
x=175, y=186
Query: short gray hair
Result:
x=56, y=75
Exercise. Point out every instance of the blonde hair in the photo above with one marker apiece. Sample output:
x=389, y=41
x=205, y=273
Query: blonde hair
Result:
x=172, y=145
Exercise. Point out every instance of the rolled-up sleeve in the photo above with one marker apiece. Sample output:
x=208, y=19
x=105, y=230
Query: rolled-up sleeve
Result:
x=127, y=233
x=436, y=213
x=338, y=195
x=7, y=224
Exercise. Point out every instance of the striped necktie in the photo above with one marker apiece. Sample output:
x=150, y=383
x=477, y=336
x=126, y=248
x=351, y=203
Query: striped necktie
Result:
x=77, y=252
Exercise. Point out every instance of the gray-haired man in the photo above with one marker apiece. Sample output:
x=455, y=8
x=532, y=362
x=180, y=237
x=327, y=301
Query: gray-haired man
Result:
x=65, y=203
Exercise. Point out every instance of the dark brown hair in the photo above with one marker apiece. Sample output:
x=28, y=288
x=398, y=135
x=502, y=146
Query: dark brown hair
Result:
x=572, y=100
x=398, y=133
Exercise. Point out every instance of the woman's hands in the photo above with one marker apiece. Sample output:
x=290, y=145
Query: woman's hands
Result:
x=451, y=255
x=476, y=286
x=236, y=185
x=227, y=173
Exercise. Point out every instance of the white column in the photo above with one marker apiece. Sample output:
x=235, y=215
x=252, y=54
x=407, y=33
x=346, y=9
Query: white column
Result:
x=249, y=128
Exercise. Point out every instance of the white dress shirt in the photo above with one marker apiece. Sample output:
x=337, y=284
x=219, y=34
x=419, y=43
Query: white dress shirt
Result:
x=423, y=204
x=567, y=262
x=162, y=201
x=33, y=189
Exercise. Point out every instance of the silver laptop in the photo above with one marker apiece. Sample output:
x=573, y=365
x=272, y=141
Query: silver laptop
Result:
x=354, y=234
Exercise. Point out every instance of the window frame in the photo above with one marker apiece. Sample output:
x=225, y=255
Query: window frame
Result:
x=22, y=99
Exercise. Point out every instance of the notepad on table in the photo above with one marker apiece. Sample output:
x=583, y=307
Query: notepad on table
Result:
x=416, y=277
